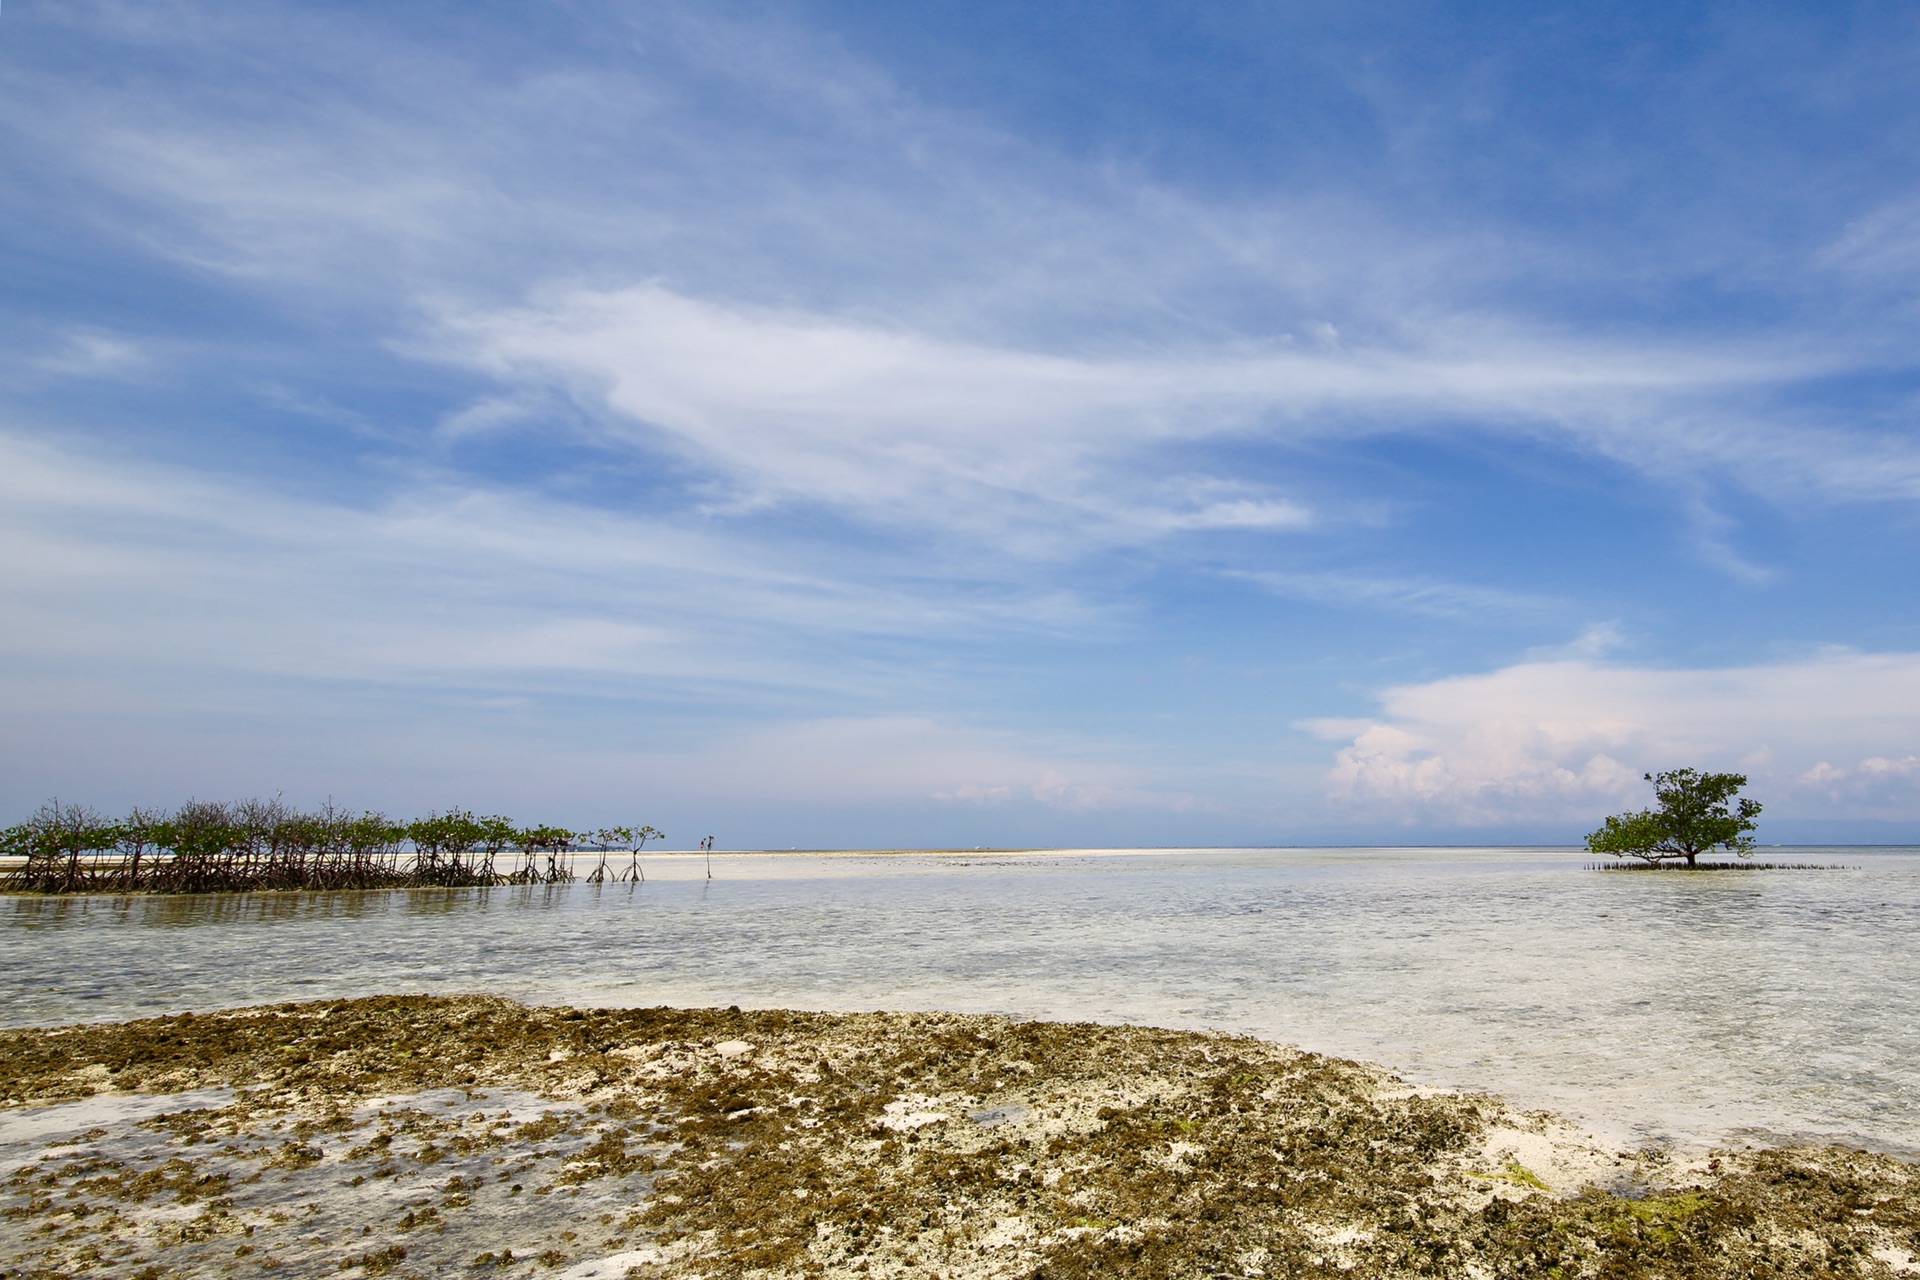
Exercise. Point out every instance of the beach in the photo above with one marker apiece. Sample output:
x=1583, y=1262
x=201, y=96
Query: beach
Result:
x=1665, y=1010
x=943, y=641
x=418, y=1136
x=1070, y=1063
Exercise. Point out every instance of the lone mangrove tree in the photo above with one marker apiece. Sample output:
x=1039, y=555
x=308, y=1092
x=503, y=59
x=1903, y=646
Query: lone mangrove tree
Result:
x=1693, y=812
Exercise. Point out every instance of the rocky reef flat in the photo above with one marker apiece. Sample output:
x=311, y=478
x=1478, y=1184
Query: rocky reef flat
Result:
x=426, y=1137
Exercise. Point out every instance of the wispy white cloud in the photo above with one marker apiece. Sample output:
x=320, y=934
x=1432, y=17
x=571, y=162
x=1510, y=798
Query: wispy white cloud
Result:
x=889, y=299
x=787, y=405
x=1434, y=598
x=894, y=760
x=1563, y=739
x=91, y=353
x=1881, y=247
x=232, y=635
x=139, y=564
x=1594, y=642
x=1079, y=792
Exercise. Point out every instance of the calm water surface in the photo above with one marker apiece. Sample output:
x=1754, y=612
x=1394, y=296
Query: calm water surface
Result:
x=1740, y=1006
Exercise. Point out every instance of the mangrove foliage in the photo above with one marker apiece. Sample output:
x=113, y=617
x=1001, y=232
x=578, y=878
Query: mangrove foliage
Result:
x=206, y=847
x=1693, y=812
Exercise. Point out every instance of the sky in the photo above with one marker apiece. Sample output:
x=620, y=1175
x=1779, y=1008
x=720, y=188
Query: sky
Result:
x=840, y=423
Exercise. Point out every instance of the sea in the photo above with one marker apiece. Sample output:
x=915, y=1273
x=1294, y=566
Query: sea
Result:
x=1683, y=1010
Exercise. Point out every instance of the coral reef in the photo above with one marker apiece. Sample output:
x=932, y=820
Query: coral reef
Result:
x=415, y=1136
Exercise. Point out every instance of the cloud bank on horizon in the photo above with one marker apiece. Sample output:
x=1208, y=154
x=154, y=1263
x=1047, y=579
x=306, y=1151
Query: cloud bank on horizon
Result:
x=839, y=423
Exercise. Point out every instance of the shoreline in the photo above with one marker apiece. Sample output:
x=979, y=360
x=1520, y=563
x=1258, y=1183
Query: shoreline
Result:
x=1463, y=974
x=412, y=1135
x=680, y=858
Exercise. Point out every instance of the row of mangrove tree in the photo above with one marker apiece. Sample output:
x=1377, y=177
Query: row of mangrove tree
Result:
x=207, y=847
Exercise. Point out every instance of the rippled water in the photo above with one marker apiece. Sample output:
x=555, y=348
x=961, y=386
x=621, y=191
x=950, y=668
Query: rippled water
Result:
x=1686, y=1007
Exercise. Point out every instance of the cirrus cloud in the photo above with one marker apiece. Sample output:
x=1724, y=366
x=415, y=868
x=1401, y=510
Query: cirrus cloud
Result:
x=1041, y=450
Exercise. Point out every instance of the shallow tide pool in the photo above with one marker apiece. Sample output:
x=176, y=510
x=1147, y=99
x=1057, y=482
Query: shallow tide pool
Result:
x=1690, y=1008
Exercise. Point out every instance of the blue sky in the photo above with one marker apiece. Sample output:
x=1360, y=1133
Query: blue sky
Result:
x=953, y=424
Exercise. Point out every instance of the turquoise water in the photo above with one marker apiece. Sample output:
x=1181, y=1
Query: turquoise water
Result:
x=1702, y=1008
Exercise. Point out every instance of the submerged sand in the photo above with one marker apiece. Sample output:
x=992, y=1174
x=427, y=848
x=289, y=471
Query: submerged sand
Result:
x=416, y=1136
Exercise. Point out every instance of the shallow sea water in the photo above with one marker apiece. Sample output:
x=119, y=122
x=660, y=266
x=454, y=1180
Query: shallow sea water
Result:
x=1733, y=1007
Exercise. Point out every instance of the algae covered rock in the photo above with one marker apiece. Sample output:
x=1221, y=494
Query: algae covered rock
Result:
x=426, y=1136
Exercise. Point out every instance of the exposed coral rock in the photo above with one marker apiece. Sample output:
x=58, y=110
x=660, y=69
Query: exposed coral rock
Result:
x=413, y=1136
